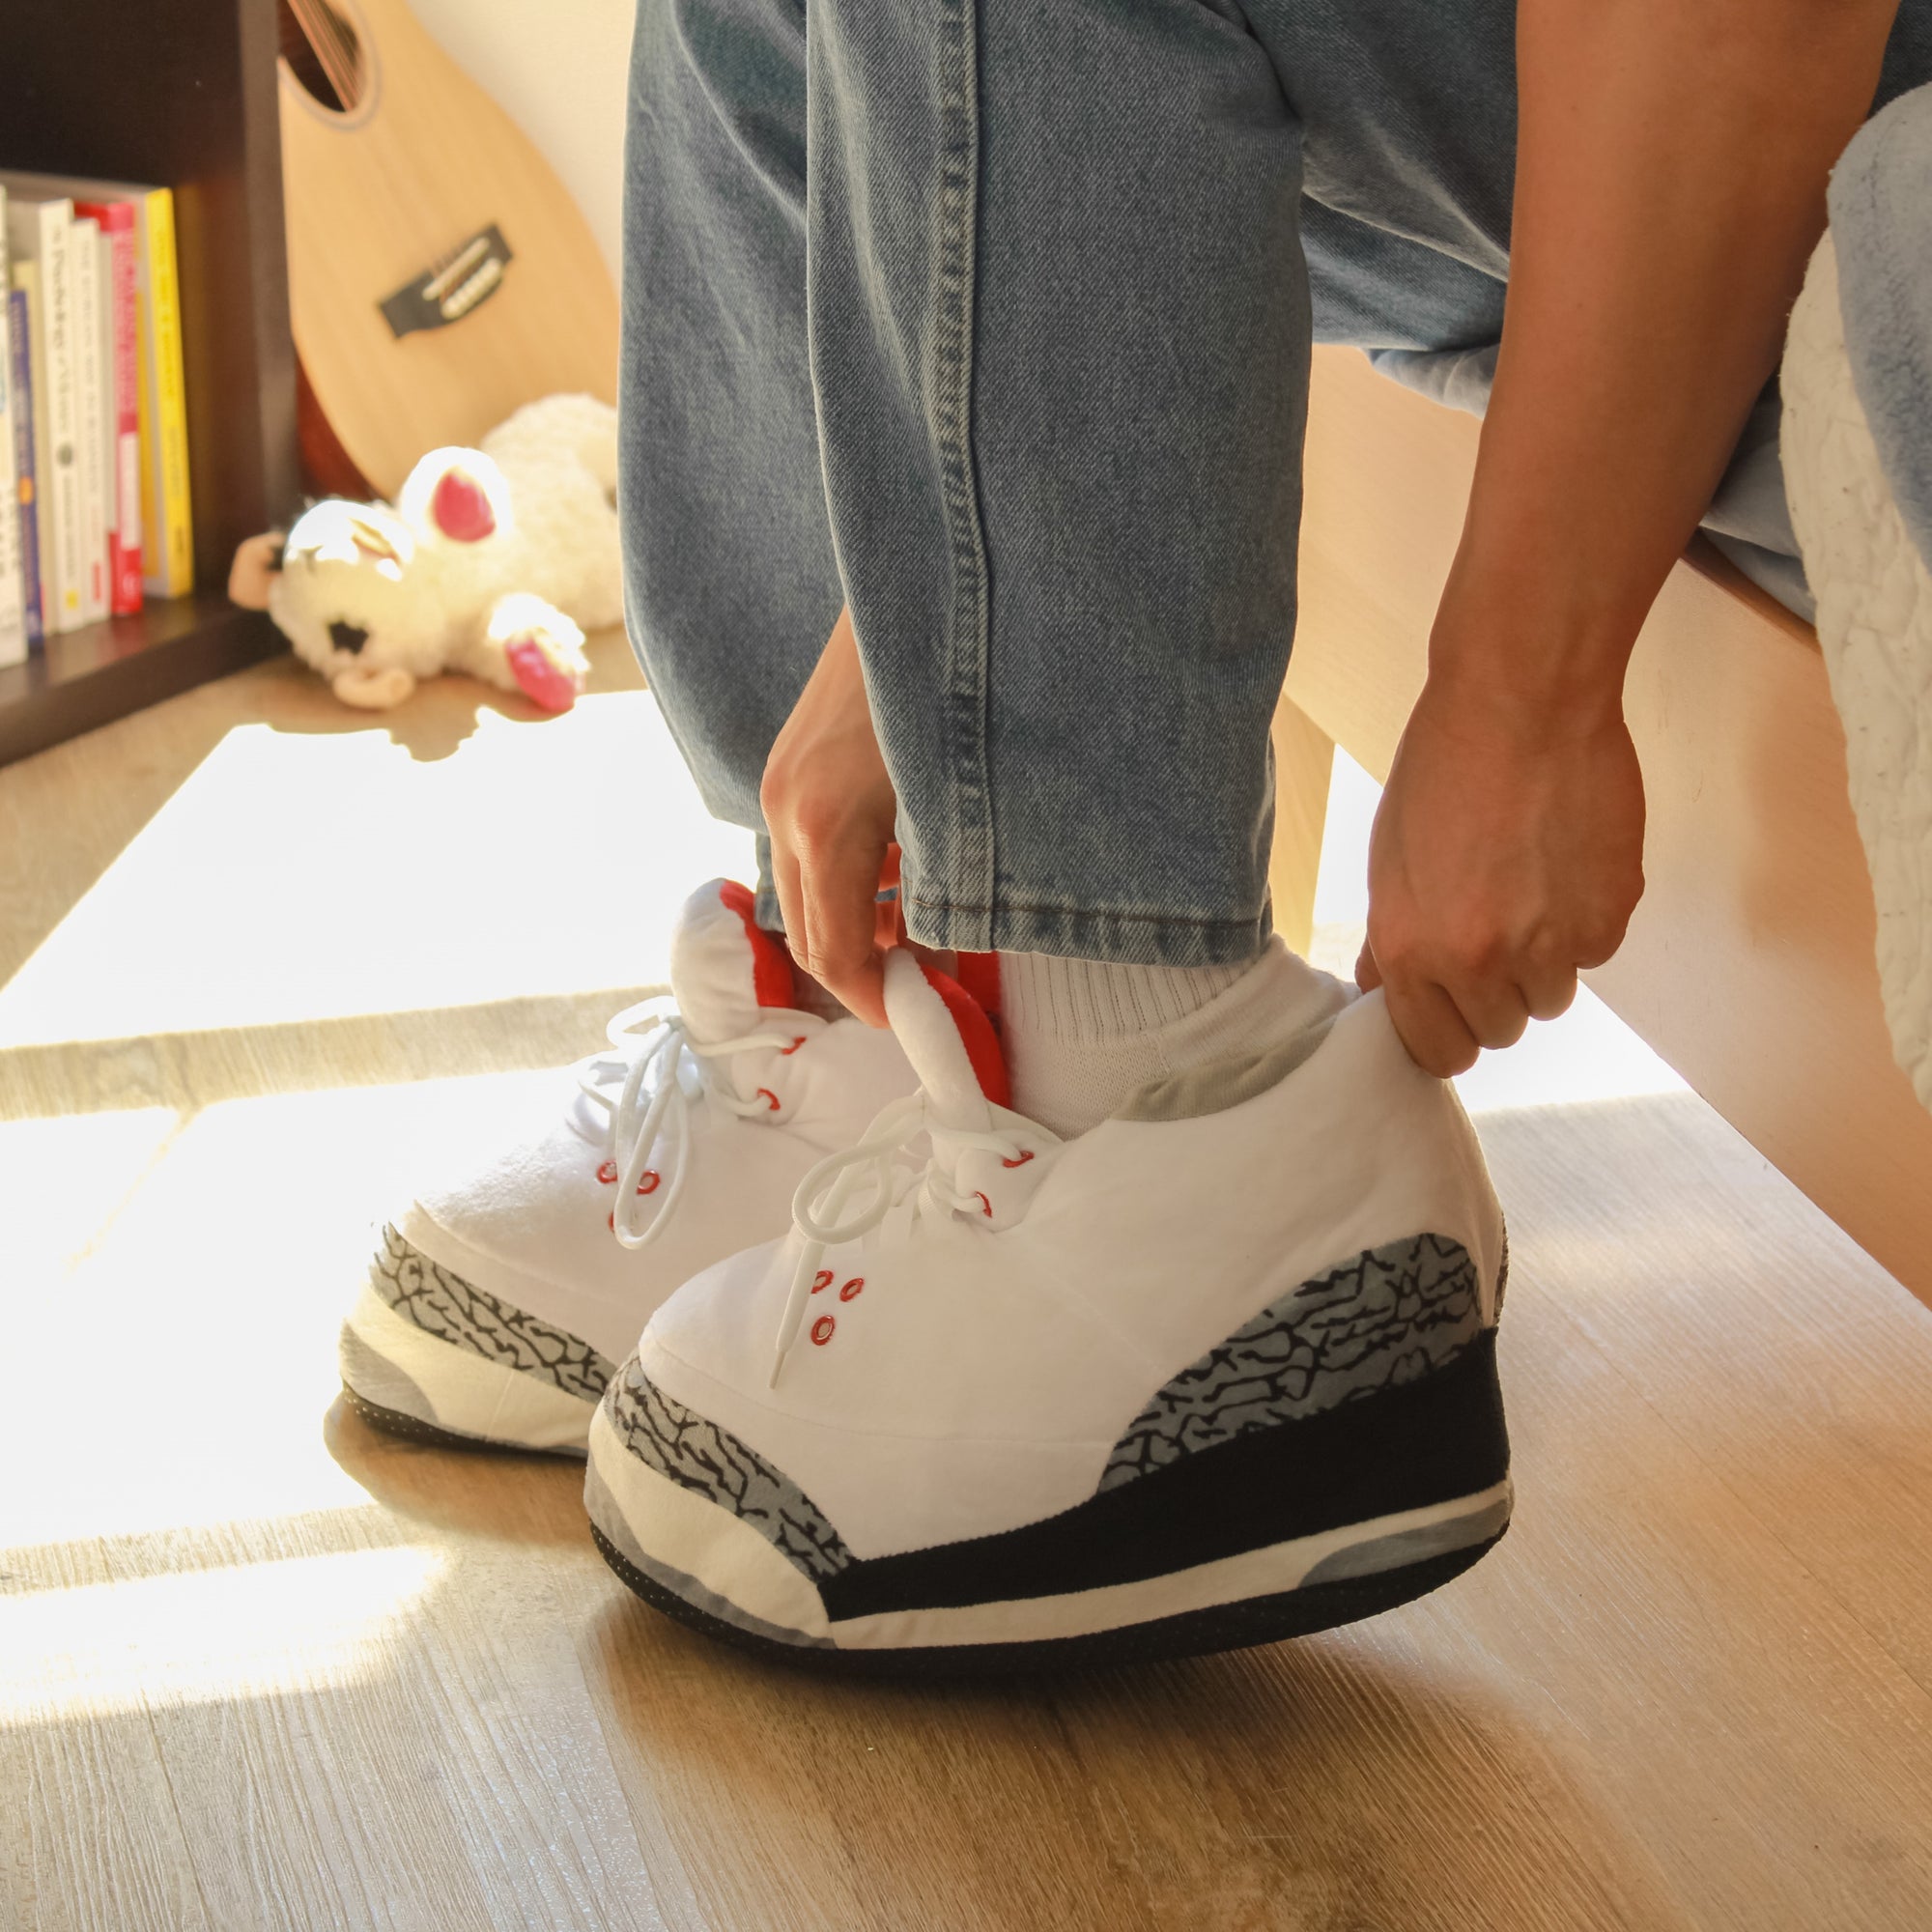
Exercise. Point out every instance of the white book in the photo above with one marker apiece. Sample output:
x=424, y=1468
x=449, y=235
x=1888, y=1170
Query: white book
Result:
x=41, y=231
x=12, y=581
x=91, y=378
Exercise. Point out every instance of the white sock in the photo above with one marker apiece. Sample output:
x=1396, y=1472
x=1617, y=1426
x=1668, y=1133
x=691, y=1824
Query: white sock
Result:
x=1080, y=1035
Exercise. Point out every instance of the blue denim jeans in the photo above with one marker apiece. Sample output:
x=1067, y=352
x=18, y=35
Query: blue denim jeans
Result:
x=992, y=319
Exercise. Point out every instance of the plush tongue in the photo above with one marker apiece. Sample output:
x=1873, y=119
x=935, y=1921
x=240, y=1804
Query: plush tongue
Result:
x=949, y=1036
x=725, y=970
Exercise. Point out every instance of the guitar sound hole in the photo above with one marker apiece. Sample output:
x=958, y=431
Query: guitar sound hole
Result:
x=322, y=51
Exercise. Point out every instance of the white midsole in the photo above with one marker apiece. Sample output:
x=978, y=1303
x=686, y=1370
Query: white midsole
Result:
x=681, y=1530
x=469, y=1394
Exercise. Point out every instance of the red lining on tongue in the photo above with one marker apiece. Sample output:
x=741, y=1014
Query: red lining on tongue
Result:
x=975, y=1034
x=771, y=958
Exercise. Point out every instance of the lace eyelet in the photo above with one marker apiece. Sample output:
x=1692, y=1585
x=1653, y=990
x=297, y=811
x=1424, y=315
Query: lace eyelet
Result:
x=851, y=1288
x=770, y=1098
x=821, y=1281
x=821, y=1330
x=649, y=1182
x=608, y=1174
x=1019, y=1160
x=985, y=1205
x=786, y=1052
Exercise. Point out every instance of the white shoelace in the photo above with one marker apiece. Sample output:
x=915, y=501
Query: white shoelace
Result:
x=880, y=1158
x=663, y=1071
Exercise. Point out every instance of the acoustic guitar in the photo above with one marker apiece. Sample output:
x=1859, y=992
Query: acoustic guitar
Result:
x=439, y=275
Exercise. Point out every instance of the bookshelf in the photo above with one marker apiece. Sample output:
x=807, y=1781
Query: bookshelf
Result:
x=182, y=94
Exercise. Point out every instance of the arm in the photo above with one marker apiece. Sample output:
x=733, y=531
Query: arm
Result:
x=1670, y=185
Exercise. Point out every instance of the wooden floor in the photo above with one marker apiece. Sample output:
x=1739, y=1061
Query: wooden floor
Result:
x=261, y=1667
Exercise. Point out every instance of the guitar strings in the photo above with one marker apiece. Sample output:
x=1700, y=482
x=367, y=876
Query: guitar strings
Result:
x=330, y=40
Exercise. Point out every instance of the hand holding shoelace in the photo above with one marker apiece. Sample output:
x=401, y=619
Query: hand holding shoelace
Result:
x=662, y=1071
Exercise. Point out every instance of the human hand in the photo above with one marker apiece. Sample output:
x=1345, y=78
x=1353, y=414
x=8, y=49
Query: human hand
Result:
x=1507, y=853
x=830, y=809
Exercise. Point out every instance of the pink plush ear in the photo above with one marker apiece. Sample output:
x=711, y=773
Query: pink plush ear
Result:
x=460, y=507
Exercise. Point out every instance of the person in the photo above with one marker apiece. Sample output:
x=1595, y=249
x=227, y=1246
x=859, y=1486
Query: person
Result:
x=966, y=351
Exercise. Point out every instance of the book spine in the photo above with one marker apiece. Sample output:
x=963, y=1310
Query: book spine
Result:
x=21, y=373
x=83, y=250
x=12, y=586
x=124, y=541
x=166, y=516
x=26, y=278
x=61, y=476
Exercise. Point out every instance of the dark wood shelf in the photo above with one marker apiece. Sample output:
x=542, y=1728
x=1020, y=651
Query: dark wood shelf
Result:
x=183, y=94
x=91, y=676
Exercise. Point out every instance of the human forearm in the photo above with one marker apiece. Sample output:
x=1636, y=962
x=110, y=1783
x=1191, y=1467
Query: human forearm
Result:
x=1670, y=183
x=1671, y=165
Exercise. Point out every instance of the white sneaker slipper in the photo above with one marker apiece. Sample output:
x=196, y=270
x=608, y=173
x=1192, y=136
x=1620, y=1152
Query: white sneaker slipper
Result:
x=500, y=1298
x=1219, y=1370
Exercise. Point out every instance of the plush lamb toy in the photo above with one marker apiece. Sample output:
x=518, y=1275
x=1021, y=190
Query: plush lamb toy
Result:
x=493, y=561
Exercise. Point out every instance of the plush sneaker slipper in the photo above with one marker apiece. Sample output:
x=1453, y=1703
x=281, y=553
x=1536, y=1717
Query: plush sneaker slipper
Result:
x=1219, y=1370
x=500, y=1298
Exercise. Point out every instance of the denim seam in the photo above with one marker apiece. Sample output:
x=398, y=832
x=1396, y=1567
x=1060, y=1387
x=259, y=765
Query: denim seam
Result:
x=969, y=853
x=950, y=907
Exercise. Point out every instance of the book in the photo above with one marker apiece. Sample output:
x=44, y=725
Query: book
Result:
x=90, y=389
x=26, y=280
x=167, y=524
x=22, y=393
x=39, y=234
x=166, y=513
x=121, y=346
x=13, y=585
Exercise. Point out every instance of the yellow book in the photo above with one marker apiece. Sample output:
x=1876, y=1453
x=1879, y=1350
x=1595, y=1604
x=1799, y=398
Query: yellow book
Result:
x=167, y=521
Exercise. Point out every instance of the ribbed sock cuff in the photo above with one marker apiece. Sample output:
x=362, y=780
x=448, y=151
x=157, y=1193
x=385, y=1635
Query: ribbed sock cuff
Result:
x=1088, y=1002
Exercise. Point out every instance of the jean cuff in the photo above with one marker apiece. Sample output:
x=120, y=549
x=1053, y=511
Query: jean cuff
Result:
x=1122, y=937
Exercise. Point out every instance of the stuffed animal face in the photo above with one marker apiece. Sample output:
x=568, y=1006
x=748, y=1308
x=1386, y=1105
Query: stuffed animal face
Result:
x=363, y=593
x=350, y=597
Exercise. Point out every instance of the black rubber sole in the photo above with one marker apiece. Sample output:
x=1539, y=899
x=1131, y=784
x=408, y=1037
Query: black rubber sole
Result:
x=413, y=1428
x=1259, y=1620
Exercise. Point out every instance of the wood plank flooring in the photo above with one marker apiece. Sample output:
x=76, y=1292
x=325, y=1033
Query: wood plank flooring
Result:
x=261, y=1667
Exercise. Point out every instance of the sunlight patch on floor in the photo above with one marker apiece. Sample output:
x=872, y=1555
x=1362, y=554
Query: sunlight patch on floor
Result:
x=295, y=877
x=174, y=1329
x=301, y=1623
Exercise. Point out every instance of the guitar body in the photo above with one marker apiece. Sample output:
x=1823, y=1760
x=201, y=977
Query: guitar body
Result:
x=421, y=193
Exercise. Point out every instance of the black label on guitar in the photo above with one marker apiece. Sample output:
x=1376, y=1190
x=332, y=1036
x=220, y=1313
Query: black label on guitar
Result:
x=459, y=283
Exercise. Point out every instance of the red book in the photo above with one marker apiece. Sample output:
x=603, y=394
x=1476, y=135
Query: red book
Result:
x=124, y=509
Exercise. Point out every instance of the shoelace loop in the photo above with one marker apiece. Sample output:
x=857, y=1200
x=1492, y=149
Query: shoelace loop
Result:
x=664, y=1070
x=879, y=1158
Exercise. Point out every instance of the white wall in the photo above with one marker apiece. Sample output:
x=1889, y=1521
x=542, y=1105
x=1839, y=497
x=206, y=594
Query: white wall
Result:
x=557, y=68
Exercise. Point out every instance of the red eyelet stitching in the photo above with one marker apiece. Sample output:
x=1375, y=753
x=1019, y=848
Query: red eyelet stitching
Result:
x=821, y=1329
x=608, y=1174
x=649, y=1180
x=985, y=1205
x=1025, y=1157
x=771, y=1098
x=785, y=1052
x=821, y=1281
x=851, y=1288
